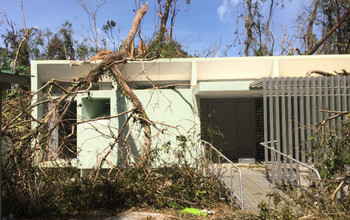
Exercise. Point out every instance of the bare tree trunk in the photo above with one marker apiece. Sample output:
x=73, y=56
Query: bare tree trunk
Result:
x=248, y=27
x=123, y=86
x=267, y=30
x=95, y=26
x=26, y=35
x=309, y=33
x=324, y=38
x=109, y=63
x=339, y=32
x=92, y=16
x=172, y=21
x=164, y=19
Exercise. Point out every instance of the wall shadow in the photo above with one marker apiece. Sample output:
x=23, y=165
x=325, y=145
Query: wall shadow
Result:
x=127, y=152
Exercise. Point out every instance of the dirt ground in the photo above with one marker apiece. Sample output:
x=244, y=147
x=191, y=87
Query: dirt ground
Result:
x=152, y=214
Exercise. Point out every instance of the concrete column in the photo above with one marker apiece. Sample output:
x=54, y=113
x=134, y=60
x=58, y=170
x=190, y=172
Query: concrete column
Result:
x=275, y=68
x=194, y=73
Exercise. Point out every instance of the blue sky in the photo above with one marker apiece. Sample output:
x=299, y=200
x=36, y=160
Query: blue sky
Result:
x=198, y=26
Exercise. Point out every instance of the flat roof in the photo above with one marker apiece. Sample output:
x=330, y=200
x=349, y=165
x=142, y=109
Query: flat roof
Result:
x=9, y=77
x=198, y=69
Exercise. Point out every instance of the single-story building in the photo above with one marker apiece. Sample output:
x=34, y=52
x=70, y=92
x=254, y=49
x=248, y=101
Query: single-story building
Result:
x=235, y=103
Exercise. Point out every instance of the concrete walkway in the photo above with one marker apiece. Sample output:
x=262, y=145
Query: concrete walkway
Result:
x=255, y=187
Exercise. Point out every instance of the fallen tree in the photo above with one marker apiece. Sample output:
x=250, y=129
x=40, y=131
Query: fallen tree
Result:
x=108, y=65
x=30, y=188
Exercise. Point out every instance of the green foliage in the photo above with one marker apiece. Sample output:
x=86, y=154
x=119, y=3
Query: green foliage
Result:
x=163, y=48
x=61, y=47
x=39, y=44
x=55, y=49
x=182, y=140
x=333, y=150
x=171, y=50
x=33, y=191
x=67, y=31
x=12, y=41
x=166, y=147
x=5, y=60
x=264, y=210
x=61, y=191
x=84, y=50
x=108, y=29
x=279, y=211
x=329, y=14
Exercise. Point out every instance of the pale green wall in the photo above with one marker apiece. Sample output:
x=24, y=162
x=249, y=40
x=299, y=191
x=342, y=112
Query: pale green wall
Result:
x=93, y=138
x=210, y=77
x=93, y=108
x=173, y=111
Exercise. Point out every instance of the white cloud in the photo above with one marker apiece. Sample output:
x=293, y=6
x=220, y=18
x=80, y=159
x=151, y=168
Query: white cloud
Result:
x=234, y=2
x=224, y=10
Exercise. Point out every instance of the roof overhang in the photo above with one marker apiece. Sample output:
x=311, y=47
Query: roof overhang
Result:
x=7, y=78
x=229, y=89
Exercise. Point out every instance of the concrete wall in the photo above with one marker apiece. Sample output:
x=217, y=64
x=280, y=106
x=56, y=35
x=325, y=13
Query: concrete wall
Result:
x=214, y=77
x=93, y=138
x=173, y=111
x=175, y=114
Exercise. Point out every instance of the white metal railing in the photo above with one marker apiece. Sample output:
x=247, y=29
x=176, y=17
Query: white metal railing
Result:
x=317, y=177
x=216, y=161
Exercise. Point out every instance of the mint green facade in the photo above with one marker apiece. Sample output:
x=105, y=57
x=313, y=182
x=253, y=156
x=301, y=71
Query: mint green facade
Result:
x=175, y=110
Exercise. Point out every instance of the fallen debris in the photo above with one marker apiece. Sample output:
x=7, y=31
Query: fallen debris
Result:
x=140, y=216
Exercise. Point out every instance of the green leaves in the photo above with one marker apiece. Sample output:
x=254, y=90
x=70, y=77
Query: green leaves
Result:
x=333, y=150
x=163, y=48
